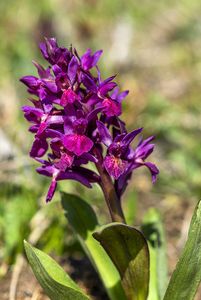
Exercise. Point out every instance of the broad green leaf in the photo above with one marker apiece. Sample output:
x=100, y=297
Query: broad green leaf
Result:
x=153, y=230
x=187, y=275
x=55, y=282
x=128, y=250
x=84, y=222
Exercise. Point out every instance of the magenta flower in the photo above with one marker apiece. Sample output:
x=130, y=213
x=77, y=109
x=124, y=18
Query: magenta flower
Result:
x=75, y=118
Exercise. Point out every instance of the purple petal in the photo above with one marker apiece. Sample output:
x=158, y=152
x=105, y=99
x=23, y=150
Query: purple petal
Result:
x=56, y=70
x=77, y=144
x=88, y=61
x=130, y=136
x=51, y=190
x=42, y=127
x=115, y=93
x=94, y=113
x=30, y=81
x=32, y=114
x=121, y=96
x=50, y=84
x=39, y=147
x=46, y=170
x=52, y=133
x=115, y=166
x=144, y=149
x=72, y=69
x=64, y=162
x=111, y=107
x=68, y=97
x=43, y=49
x=33, y=128
x=74, y=176
x=55, y=119
x=90, y=175
x=122, y=182
x=89, y=157
x=107, y=80
x=104, y=89
x=153, y=169
x=96, y=57
x=104, y=133
x=89, y=83
x=48, y=49
x=41, y=71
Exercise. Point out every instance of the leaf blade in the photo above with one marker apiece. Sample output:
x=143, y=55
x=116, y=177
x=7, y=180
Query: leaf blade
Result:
x=54, y=281
x=187, y=275
x=128, y=249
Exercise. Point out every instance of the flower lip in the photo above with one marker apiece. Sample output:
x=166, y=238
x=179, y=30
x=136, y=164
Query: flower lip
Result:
x=68, y=97
x=111, y=107
x=77, y=144
x=115, y=166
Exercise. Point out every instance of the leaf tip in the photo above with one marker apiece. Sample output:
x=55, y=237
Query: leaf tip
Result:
x=96, y=235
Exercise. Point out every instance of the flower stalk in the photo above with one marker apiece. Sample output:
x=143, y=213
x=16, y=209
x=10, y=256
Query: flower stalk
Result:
x=111, y=198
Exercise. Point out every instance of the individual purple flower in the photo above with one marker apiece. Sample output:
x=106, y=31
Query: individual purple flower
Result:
x=50, y=170
x=75, y=118
x=75, y=129
x=88, y=60
x=117, y=159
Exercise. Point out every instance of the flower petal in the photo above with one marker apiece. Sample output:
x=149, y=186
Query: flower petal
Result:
x=72, y=69
x=129, y=137
x=75, y=175
x=104, y=133
x=153, y=169
x=77, y=144
x=39, y=147
x=68, y=97
x=115, y=166
x=64, y=162
x=51, y=190
x=30, y=81
x=88, y=61
x=111, y=107
x=104, y=89
x=89, y=83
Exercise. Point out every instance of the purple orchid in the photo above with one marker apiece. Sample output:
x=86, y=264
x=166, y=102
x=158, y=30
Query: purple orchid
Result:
x=89, y=61
x=76, y=119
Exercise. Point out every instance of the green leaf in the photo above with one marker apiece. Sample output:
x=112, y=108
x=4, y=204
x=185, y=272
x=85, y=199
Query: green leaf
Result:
x=187, y=275
x=153, y=230
x=128, y=250
x=83, y=220
x=55, y=282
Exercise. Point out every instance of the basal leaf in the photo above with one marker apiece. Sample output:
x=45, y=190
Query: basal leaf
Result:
x=54, y=281
x=187, y=275
x=153, y=230
x=128, y=250
x=84, y=222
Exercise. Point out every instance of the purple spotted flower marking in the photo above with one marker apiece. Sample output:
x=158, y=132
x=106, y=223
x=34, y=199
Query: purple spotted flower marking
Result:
x=75, y=117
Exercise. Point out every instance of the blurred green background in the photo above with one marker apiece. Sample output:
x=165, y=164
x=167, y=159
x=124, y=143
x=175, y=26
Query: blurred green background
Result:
x=154, y=47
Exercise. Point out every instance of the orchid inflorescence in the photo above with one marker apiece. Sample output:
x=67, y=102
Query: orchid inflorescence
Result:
x=76, y=119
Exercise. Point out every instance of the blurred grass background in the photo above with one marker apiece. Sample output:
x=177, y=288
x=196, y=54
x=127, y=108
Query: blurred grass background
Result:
x=154, y=47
